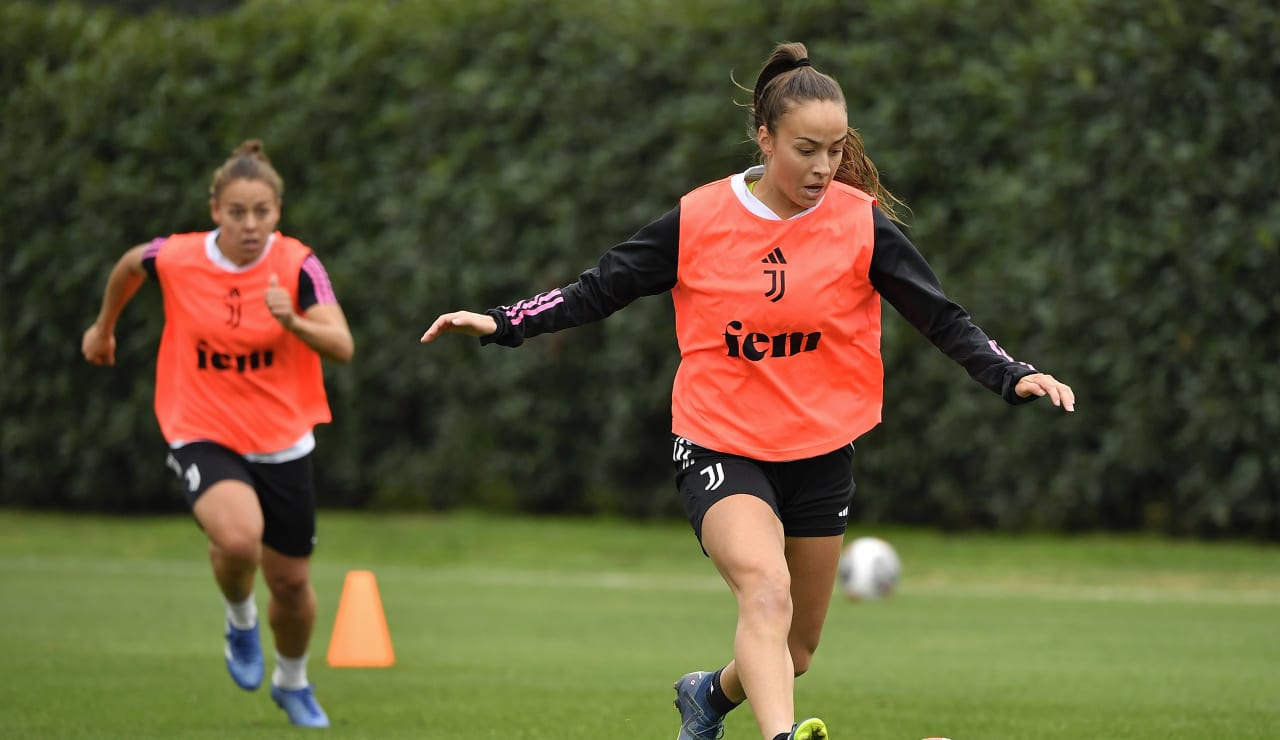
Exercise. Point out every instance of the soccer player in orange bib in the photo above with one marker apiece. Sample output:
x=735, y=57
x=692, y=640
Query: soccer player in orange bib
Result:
x=249, y=313
x=777, y=275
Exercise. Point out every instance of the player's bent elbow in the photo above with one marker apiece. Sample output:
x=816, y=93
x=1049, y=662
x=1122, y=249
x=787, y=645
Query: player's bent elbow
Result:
x=344, y=353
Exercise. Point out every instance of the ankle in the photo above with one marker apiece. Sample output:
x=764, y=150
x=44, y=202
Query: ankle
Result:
x=716, y=698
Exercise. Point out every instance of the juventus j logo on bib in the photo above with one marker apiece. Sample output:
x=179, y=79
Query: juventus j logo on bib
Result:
x=777, y=276
x=233, y=308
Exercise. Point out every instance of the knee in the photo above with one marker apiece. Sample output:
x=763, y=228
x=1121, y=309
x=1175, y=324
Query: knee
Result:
x=802, y=646
x=769, y=598
x=289, y=583
x=290, y=586
x=240, y=547
x=801, y=660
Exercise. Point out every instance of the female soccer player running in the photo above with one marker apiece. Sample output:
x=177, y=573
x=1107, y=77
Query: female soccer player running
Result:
x=777, y=275
x=249, y=313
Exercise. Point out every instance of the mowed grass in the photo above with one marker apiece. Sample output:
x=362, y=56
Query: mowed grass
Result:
x=545, y=628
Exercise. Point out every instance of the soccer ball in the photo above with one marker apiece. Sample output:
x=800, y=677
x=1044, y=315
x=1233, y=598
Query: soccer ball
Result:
x=869, y=569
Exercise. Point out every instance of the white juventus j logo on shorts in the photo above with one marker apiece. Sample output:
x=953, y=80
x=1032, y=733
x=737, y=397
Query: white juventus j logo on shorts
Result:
x=192, y=475
x=715, y=476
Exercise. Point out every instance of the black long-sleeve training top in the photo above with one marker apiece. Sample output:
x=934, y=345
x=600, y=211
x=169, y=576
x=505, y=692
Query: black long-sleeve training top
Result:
x=646, y=264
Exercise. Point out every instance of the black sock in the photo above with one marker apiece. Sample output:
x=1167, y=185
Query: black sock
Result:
x=716, y=698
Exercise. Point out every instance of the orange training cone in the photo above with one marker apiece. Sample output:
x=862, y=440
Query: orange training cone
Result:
x=360, y=637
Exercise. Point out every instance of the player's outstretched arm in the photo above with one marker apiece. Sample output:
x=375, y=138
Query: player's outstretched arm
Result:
x=1042, y=384
x=461, y=322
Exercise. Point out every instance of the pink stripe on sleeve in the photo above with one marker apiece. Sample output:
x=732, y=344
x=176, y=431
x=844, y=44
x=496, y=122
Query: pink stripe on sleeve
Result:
x=534, y=306
x=1000, y=351
x=154, y=248
x=320, y=281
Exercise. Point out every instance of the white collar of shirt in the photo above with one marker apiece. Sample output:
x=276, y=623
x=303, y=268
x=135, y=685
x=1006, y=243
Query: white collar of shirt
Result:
x=749, y=199
x=216, y=256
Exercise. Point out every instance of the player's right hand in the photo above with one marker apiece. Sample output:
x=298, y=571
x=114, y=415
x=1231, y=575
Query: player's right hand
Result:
x=98, y=347
x=461, y=322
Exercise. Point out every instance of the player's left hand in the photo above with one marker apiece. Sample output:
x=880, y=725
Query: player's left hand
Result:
x=1042, y=384
x=280, y=303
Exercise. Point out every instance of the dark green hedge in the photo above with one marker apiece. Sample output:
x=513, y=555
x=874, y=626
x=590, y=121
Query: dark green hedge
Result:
x=1095, y=181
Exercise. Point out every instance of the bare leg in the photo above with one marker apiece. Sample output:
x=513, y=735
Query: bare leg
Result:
x=292, y=614
x=292, y=609
x=813, y=563
x=232, y=519
x=744, y=539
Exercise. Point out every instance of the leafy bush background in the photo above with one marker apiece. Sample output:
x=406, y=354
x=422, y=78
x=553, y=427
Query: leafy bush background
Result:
x=1095, y=181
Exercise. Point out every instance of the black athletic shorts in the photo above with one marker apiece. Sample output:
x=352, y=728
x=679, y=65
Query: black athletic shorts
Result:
x=286, y=491
x=811, y=496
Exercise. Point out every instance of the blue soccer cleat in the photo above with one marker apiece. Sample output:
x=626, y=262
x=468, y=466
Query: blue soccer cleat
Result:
x=810, y=729
x=698, y=721
x=244, y=657
x=300, y=705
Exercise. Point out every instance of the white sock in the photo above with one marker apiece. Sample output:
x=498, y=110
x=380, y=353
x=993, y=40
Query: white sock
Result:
x=290, y=673
x=243, y=615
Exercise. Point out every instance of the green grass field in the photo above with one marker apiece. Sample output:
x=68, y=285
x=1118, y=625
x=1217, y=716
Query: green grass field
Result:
x=529, y=628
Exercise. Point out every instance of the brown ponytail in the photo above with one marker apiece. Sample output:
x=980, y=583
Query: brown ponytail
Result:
x=857, y=170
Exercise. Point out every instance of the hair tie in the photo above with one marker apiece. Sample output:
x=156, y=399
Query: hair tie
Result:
x=802, y=62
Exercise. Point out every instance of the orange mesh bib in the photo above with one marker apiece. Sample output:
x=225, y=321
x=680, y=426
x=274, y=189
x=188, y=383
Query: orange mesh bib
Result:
x=778, y=325
x=227, y=371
